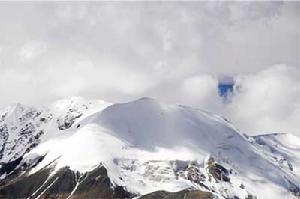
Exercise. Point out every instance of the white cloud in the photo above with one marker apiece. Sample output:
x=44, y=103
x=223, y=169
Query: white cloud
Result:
x=269, y=101
x=173, y=51
x=264, y=102
x=31, y=50
x=200, y=90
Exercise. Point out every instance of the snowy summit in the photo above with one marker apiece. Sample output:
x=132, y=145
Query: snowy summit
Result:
x=143, y=148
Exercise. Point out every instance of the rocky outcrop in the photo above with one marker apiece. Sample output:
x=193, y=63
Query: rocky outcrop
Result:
x=218, y=172
x=187, y=194
x=68, y=120
x=65, y=183
x=21, y=129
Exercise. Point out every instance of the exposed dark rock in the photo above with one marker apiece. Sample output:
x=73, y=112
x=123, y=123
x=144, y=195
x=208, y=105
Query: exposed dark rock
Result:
x=94, y=184
x=23, y=186
x=60, y=185
x=187, y=194
x=23, y=134
x=195, y=175
x=251, y=197
x=14, y=169
x=218, y=172
x=68, y=120
x=242, y=186
x=3, y=137
x=6, y=168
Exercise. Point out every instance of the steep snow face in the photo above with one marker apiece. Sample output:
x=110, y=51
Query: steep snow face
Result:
x=283, y=149
x=138, y=142
x=147, y=123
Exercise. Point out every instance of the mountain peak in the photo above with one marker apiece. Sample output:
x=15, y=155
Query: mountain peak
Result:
x=147, y=145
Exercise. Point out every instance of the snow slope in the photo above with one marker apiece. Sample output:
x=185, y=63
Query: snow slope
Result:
x=147, y=146
x=281, y=148
x=22, y=127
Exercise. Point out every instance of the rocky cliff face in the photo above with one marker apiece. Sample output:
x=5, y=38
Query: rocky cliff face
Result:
x=21, y=128
x=64, y=183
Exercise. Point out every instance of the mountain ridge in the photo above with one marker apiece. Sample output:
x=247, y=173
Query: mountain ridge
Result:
x=147, y=145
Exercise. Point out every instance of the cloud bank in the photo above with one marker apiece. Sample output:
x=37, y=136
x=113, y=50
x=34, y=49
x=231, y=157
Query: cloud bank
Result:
x=267, y=101
x=171, y=51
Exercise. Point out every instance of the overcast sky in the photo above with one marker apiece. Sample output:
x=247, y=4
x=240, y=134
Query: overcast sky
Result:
x=171, y=51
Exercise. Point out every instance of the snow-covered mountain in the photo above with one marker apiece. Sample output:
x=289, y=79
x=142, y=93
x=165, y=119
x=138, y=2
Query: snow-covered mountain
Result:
x=77, y=148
